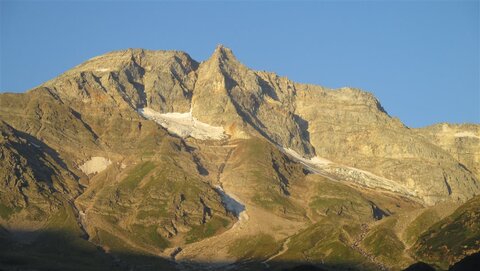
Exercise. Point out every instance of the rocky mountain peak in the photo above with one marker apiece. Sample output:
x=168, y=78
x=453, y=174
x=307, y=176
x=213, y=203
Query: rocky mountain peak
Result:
x=223, y=52
x=154, y=153
x=346, y=125
x=224, y=59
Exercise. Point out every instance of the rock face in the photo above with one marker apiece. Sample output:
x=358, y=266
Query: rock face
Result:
x=363, y=135
x=461, y=141
x=228, y=93
x=34, y=180
x=162, y=80
x=136, y=151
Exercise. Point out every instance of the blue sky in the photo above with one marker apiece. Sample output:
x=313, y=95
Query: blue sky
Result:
x=420, y=58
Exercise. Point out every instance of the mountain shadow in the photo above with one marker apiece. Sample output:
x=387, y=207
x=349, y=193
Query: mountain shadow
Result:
x=471, y=262
x=420, y=266
x=63, y=250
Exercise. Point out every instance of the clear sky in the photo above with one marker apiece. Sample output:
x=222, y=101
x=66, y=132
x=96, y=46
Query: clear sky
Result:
x=420, y=58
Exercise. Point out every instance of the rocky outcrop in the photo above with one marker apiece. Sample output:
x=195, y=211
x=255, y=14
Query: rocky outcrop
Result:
x=161, y=80
x=349, y=126
x=228, y=93
x=34, y=180
x=462, y=141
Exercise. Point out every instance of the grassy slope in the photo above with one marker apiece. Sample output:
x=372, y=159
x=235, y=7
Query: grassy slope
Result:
x=253, y=247
x=58, y=246
x=160, y=202
x=383, y=243
x=269, y=174
x=452, y=238
x=148, y=197
x=323, y=243
x=419, y=225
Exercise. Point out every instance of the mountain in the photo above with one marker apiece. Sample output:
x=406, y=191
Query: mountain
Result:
x=143, y=160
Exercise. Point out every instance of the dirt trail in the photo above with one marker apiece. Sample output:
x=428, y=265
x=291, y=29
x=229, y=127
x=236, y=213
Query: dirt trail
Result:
x=280, y=252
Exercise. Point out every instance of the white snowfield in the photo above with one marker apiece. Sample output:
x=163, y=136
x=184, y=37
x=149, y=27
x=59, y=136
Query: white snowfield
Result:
x=95, y=165
x=340, y=172
x=312, y=163
x=466, y=134
x=184, y=124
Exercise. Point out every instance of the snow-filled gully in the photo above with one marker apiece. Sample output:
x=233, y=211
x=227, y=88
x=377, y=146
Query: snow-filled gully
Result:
x=233, y=205
x=338, y=172
x=184, y=124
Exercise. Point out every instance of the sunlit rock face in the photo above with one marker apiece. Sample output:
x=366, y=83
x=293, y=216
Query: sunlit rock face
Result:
x=462, y=141
x=152, y=159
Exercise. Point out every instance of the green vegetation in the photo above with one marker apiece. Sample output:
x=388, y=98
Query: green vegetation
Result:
x=148, y=145
x=6, y=211
x=275, y=201
x=266, y=172
x=323, y=242
x=65, y=223
x=340, y=253
x=419, y=225
x=151, y=196
x=158, y=211
x=149, y=235
x=210, y=228
x=257, y=247
x=63, y=219
x=384, y=244
x=329, y=206
x=136, y=175
x=352, y=230
x=255, y=148
x=58, y=246
x=339, y=200
x=113, y=243
x=453, y=237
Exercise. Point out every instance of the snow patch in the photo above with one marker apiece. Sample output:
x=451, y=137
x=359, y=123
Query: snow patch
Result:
x=313, y=162
x=231, y=203
x=95, y=165
x=340, y=172
x=35, y=145
x=102, y=70
x=184, y=124
x=466, y=134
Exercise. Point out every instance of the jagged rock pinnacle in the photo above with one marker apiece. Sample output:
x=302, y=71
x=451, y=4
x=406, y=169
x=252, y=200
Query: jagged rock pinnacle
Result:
x=223, y=53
